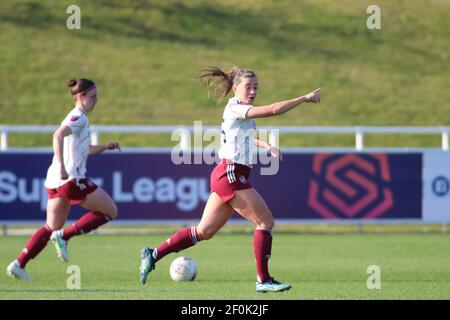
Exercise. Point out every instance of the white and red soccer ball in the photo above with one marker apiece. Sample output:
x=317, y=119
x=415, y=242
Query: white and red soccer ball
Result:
x=183, y=269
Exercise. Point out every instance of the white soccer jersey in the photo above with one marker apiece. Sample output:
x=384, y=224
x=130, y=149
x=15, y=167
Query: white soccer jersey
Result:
x=75, y=153
x=238, y=134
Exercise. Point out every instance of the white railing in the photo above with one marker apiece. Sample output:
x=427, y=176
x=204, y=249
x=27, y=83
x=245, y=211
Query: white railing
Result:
x=185, y=131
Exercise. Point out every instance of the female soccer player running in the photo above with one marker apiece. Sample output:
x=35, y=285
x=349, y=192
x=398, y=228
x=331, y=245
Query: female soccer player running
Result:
x=230, y=187
x=67, y=184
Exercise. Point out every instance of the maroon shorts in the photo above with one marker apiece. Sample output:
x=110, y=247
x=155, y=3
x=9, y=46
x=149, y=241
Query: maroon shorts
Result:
x=71, y=191
x=228, y=177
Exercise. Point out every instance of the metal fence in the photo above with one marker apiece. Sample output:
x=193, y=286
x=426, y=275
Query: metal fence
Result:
x=184, y=132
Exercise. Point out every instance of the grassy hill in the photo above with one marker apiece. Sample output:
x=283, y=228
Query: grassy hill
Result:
x=146, y=56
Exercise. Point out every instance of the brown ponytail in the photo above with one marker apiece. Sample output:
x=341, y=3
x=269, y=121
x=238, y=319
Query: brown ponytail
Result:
x=222, y=82
x=80, y=85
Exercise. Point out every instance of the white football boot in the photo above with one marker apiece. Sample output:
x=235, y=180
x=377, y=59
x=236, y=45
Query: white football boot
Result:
x=14, y=270
x=60, y=245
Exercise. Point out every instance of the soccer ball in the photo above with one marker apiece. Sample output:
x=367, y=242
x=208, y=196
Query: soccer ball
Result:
x=183, y=269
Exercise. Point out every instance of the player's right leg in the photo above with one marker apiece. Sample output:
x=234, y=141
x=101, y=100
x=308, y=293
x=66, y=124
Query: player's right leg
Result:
x=215, y=215
x=249, y=204
x=57, y=211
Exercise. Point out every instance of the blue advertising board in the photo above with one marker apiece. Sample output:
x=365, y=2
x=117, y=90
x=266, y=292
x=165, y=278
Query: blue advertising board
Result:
x=149, y=186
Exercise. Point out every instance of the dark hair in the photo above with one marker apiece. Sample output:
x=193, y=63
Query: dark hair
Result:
x=80, y=85
x=222, y=82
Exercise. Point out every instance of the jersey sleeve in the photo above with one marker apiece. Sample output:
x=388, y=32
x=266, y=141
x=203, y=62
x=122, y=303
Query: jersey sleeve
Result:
x=75, y=122
x=238, y=111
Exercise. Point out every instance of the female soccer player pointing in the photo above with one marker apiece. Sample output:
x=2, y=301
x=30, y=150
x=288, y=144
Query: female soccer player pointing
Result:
x=67, y=184
x=230, y=187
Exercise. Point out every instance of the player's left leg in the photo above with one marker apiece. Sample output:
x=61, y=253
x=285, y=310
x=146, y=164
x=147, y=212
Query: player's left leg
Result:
x=57, y=214
x=215, y=215
x=101, y=210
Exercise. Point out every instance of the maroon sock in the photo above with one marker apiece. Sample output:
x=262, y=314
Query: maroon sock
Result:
x=262, y=247
x=181, y=240
x=90, y=221
x=35, y=244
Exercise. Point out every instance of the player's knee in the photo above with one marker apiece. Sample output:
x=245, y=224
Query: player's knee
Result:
x=205, y=234
x=266, y=223
x=113, y=212
x=55, y=225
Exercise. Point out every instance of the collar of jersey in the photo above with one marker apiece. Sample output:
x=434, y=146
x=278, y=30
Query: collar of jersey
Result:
x=234, y=99
x=79, y=109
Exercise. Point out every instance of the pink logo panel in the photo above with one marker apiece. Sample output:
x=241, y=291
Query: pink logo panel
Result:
x=350, y=186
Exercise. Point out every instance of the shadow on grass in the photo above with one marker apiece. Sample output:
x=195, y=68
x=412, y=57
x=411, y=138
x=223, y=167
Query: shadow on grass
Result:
x=204, y=24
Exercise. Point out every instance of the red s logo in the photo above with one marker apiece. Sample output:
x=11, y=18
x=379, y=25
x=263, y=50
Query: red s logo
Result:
x=350, y=186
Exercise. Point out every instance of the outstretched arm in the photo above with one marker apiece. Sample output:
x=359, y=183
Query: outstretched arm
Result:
x=103, y=147
x=281, y=107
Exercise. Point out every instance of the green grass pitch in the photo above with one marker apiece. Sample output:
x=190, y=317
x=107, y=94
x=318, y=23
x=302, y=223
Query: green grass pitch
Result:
x=319, y=266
